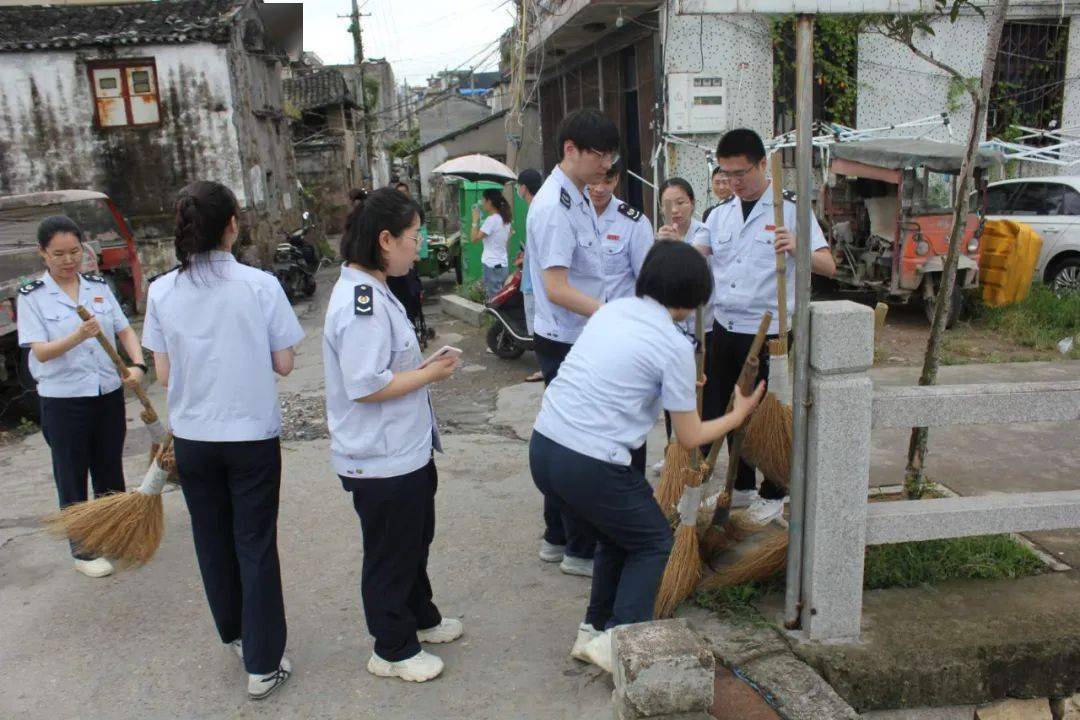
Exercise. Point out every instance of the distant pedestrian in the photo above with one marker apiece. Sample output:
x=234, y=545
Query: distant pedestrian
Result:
x=495, y=234
x=721, y=190
x=529, y=182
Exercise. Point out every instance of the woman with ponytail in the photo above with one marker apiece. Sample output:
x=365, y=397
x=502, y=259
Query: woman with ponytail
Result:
x=219, y=331
x=495, y=234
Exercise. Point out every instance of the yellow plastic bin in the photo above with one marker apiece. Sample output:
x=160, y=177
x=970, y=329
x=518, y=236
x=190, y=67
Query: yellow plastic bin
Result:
x=1007, y=258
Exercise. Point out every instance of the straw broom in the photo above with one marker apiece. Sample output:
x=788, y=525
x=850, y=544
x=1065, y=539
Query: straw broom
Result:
x=126, y=527
x=681, y=465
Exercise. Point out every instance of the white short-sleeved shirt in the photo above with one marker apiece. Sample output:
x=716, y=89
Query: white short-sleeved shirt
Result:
x=743, y=261
x=218, y=322
x=46, y=313
x=698, y=234
x=496, y=236
x=367, y=338
x=562, y=232
x=630, y=362
x=625, y=236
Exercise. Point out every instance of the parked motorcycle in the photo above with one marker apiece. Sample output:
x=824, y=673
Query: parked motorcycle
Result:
x=508, y=337
x=296, y=262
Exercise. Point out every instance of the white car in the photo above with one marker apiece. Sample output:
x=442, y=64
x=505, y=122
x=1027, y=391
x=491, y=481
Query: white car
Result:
x=1051, y=205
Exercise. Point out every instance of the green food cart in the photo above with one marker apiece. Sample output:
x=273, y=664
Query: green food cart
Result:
x=470, y=193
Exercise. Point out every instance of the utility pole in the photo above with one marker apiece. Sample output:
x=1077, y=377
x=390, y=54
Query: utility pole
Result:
x=515, y=124
x=358, y=56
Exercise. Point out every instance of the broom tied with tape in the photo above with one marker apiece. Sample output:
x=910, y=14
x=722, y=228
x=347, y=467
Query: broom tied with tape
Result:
x=126, y=527
x=681, y=465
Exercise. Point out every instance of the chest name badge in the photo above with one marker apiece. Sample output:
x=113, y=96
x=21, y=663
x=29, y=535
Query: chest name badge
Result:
x=363, y=302
x=612, y=237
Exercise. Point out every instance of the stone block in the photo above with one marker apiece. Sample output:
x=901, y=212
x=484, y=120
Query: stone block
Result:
x=661, y=668
x=734, y=642
x=797, y=692
x=1016, y=710
x=462, y=309
x=981, y=404
x=953, y=712
x=1071, y=708
x=837, y=481
x=915, y=520
x=841, y=337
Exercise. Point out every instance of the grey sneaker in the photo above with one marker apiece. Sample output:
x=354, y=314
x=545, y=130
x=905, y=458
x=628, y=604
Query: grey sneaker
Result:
x=551, y=553
x=576, y=566
x=260, y=686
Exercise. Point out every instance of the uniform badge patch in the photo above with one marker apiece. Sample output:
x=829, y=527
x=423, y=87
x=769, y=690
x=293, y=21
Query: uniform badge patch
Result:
x=31, y=287
x=564, y=198
x=93, y=278
x=789, y=195
x=363, y=302
x=612, y=237
x=630, y=211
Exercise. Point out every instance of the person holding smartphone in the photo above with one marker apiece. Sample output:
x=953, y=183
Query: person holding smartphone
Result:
x=383, y=433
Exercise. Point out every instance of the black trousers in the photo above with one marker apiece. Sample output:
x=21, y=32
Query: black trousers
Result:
x=560, y=528
x=728, y=353
x=397, y=518
x=616, y=503
x=232, y=490
x=85, y=434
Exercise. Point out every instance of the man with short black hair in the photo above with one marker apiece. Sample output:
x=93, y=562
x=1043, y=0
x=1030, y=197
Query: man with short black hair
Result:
x=742, y=247
x=566, y=269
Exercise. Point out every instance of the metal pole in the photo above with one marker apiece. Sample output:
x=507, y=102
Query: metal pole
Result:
x=804, y=157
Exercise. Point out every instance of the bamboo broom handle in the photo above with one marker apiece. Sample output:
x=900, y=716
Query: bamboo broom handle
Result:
x=118, y=361
x=699, y=333
x=777, y=169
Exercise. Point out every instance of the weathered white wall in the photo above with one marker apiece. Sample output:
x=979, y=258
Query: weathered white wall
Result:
x=896, y=86
x=488, y=139
x=48, y=139
x=737, y=48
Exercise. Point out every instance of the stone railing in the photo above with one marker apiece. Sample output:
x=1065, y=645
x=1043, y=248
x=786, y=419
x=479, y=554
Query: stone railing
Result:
x=844, y=407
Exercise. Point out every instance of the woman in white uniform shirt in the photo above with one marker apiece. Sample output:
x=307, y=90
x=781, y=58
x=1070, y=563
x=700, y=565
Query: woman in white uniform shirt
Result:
x=219, y=331
x=383, y=434
x=495, y=234
x=82, y=403
x=629, y=362
x=677, y=203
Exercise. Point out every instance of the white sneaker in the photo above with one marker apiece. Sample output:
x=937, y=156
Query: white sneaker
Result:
x=743, y=498
x=658, y=466
x=421, y=667
x=576, y=566
x=551, y=553
x=259, y=686
x=764, y=511
x=446, y=631
x=97, y=568
x=598, y=651
x=586, y=633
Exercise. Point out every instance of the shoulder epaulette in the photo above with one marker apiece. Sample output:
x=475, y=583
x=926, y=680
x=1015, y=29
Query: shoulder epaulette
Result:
x=564, y=198
x=93, y=278
x=30, y=287
x=730, y=198
x=630, y=211
x=789, y=196
x=162, y=274
x=363, y=301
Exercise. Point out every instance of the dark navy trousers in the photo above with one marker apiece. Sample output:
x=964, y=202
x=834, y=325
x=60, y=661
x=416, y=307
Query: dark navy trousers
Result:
x=231, y=490
x=616, y=504
x=85, y=435
x=397, y=518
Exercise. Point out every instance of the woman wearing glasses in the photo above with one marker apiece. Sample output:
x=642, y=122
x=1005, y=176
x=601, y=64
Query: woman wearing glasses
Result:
x=82, y=403
x=383, y=434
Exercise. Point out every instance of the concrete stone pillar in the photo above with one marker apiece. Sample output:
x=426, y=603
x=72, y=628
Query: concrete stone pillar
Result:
x=838, y=468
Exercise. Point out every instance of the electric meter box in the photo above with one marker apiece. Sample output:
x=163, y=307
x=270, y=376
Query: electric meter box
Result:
x=697, y=103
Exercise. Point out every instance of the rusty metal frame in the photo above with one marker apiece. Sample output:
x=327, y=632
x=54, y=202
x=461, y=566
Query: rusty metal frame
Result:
x=121, y=65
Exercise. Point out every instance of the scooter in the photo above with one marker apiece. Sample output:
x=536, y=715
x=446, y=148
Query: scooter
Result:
x=508, y=337
x=296, y=263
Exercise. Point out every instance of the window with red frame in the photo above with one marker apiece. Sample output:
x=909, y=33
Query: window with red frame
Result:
x=125, y=93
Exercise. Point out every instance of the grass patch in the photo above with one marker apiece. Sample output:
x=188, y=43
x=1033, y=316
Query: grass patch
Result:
x=990, y=557
x=474, y=292
x=1039, y=321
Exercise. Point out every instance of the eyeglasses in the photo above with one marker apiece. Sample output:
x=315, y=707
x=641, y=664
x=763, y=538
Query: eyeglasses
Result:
x=414, y=238
x=609, y=158
x=735, y=174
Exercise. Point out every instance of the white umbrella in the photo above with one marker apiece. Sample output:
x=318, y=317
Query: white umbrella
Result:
x=476, y=167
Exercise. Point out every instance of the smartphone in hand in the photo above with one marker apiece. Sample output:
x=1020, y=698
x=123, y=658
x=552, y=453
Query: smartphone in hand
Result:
x=446, y=351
